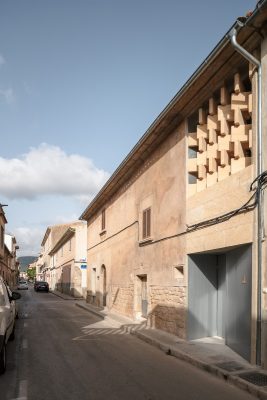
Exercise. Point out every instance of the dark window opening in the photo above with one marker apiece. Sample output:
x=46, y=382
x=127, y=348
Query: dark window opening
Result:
x=146, y=223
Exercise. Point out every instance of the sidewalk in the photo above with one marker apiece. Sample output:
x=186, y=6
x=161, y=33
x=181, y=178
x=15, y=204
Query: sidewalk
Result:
x=209, y=354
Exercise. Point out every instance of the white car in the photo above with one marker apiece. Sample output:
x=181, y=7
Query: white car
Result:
x=23, y=285
x=7, y=320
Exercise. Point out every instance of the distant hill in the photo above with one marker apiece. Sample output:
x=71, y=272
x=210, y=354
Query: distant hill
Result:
x=25, y=261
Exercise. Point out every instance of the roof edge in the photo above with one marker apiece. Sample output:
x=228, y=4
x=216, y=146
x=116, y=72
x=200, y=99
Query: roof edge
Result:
x=212, y=55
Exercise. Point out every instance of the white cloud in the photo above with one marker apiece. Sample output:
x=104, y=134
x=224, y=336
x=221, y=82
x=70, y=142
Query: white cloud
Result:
x=48, y=170
x=8, y=95
x=29, y=240
x=2, y=60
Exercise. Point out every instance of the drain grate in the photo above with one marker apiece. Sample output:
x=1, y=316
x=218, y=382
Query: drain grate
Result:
x=256, y=378
x=230, y=366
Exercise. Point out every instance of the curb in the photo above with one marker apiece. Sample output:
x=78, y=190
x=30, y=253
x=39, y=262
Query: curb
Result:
x=64, y=297
x=95, y=312
x=230, y=377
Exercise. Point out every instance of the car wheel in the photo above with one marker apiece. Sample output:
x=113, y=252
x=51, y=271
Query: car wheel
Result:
x=3, y=358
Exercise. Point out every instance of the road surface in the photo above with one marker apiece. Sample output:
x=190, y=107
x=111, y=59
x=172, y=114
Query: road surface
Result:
x=62, y=352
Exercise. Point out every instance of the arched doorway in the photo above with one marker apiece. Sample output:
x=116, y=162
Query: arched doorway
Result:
x=103, y=286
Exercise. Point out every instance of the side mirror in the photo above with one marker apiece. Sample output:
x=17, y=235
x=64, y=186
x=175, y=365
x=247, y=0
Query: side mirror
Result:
x=15, y=296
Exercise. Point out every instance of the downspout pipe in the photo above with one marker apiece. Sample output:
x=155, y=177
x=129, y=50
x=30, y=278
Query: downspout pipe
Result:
x=232, y=36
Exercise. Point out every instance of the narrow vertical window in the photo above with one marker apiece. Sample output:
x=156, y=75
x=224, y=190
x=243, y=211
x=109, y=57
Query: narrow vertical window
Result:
x=147, y=223
x=103, y=220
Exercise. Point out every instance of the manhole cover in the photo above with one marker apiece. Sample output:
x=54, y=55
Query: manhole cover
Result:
x=254, y=377
x=230, y=366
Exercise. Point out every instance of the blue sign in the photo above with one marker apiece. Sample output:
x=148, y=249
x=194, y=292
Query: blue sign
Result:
x=83, y=266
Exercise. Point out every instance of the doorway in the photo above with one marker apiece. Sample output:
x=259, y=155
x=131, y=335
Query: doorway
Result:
x=219, y=297
x=142, y=295
x=103, y=288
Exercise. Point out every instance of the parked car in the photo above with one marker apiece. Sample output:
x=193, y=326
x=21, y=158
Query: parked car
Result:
x=41, y=285
x=7, y=320
x=23, y=285
x=9, y=291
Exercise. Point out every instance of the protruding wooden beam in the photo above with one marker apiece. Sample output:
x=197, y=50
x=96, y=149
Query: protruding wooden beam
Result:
x=238, y=84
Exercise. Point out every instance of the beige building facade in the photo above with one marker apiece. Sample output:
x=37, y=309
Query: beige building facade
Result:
x=3, y=221
x=174, y=236
x=12, y=262
x=62, y=262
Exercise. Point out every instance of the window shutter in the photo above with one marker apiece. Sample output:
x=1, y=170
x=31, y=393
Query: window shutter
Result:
x=103, y=226
x=147, y=223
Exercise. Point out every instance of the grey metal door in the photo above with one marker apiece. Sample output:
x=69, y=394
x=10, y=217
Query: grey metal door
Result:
x=238, y=300
x=202, y=301
x=219, y=302
x=144, y=295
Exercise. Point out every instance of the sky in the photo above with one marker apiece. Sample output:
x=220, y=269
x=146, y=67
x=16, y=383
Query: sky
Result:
x=80, y=83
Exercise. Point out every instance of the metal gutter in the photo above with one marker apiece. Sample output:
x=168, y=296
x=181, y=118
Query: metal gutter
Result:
x=257, y=64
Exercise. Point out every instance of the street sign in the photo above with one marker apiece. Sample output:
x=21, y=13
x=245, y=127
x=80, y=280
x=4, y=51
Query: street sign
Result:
x=83, y=266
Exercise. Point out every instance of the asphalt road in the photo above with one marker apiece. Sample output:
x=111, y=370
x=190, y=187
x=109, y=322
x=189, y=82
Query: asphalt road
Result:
x=62, y=352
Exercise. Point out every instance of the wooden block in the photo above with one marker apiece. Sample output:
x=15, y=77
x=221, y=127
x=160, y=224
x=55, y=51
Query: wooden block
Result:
x=212, y=106
x=213, y=128
x=238, y=84
x=223, y=172
x=250, y=139
x=239, y=104
x=202, y=116
x=202, y=131
x=240, y=133
x=212, y=179
x=225, y=98
x=225, y=118
x=192, y=140
x=212, y=151
x=212, y=165
x=241, y=163
x=202, y=158
x=224, y=143
x=192, y=165
x=238, y=150
x=202, y=144
x=202, y=172
x=250, y=104
x=213, y=136
x=224, y=158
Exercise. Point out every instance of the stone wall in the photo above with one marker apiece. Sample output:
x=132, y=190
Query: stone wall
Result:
x=167, y=309
x=122, y=299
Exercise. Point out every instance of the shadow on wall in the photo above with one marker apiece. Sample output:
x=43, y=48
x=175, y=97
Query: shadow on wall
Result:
x=64, y=284
x=95, y=298
x=168, y=318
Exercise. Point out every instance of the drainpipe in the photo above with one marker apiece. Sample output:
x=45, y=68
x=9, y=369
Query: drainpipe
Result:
x=254, y=61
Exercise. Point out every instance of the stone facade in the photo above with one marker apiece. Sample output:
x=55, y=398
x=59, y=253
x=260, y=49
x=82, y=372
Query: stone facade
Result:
x=168, y=309
x=194, y=164
x=122, y=299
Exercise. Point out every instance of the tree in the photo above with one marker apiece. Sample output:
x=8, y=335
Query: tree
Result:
x=31, y=273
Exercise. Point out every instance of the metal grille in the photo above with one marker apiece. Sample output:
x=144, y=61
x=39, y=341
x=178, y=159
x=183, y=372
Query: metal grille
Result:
x=254, y=377
x=230, y=366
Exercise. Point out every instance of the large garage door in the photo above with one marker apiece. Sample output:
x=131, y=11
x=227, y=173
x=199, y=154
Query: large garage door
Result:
x=219, y=303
